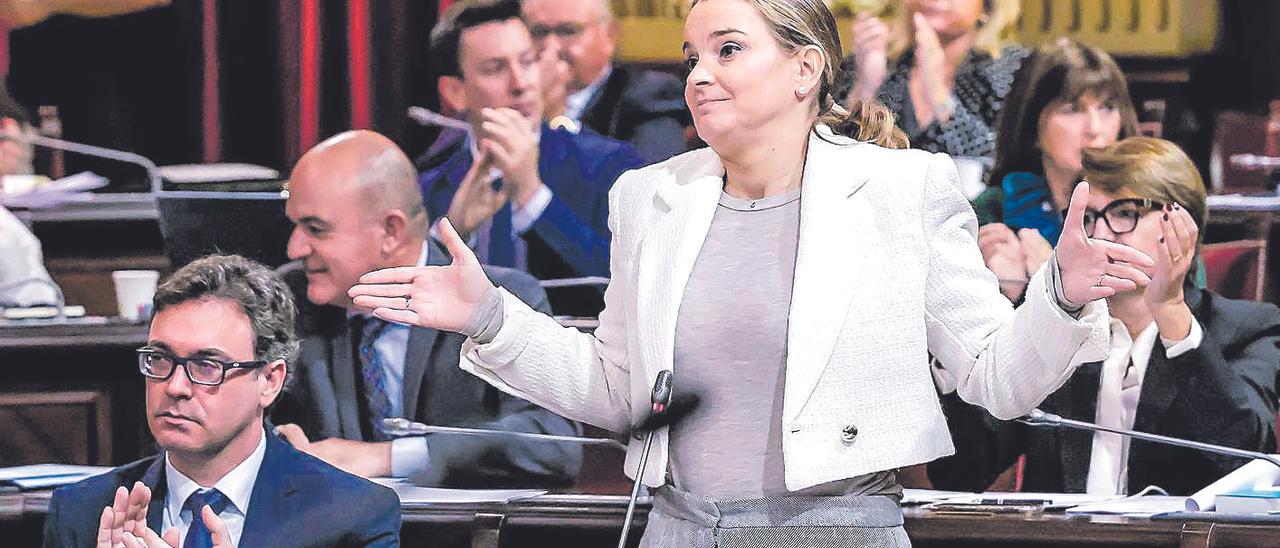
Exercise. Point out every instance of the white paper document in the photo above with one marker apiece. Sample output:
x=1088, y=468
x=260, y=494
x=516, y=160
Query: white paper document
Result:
x=417, y=494
x=1256, y=474
x=1146, y=506
x=40, y=476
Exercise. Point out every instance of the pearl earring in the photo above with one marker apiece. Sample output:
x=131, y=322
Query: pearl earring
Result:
x=802, y=91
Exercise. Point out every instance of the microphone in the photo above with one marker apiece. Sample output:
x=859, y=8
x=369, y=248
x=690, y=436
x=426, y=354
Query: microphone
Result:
x=585, y=281
x=658, y=406
x=1039, y=418
x=427, y=117
x=400, y=428
x=153, y=175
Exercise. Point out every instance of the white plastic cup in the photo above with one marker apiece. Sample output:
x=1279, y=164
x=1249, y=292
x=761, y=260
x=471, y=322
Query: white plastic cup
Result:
x=134, y=291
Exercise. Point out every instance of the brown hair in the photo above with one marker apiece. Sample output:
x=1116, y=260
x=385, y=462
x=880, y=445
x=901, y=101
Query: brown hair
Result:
x=1061, y=70
x=1146, y=167
x=799, y=23
x=994, y=29
x=256, y=289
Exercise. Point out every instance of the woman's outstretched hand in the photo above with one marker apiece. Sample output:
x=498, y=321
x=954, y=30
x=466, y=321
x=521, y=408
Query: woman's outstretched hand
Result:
x=439, y=297
x=1091, y=269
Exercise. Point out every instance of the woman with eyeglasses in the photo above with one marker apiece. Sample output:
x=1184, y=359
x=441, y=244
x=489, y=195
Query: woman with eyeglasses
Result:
x=1066, y=98
x=1184, y=362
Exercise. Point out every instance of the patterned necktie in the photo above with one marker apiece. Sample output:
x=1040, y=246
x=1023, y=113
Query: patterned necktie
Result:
x=502, y=250
x=198, y=535
x=377, y=402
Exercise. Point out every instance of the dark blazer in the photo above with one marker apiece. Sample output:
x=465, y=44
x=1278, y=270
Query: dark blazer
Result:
x=1223, y=392
x=297, y=500
x=325, y=399
x=572, y=236
x=643, y=107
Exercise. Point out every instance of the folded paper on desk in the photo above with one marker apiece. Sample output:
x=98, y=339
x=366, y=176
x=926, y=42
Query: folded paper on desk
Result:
x=44, y=476
x=1257, y=474
x=65, y=190
x=417, y=494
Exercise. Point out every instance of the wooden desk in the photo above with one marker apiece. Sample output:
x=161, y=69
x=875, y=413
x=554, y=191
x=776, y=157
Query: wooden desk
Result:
x=595, y=520
x=44, y=364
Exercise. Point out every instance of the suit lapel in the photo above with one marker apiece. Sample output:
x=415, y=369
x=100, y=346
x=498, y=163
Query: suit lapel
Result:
x=668, y=251
x=154, y=479
x=1082, y=405
x=417, y=356
x=835, y=234
x=345, y=371
x=269, y=505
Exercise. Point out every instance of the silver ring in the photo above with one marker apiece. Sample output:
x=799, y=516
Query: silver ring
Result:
x=407, y=302
x=1099, y=284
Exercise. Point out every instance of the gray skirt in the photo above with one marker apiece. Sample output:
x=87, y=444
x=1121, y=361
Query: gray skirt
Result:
x=680, y=519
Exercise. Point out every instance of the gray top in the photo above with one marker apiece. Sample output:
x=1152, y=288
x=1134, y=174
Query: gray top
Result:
x=731, y=349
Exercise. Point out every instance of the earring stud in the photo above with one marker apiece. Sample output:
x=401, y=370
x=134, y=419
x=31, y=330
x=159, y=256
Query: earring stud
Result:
x=803, y=90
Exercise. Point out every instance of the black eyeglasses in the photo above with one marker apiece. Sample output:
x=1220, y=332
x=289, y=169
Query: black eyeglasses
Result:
x=158, y=364
x=1121, y=216
x=564, y=31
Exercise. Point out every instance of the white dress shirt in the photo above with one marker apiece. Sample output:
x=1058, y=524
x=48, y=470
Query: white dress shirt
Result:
x=21, y=259
x=575, y=104
x=408, y=455
x=1121, y=384
x=237, y=485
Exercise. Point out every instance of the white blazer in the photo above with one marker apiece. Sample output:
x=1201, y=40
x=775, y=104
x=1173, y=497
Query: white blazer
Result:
x=887, y=270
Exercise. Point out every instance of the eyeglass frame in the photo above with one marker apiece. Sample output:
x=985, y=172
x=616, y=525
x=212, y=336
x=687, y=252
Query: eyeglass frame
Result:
x=1148, y=203
x=183, y=361
x=563, y=31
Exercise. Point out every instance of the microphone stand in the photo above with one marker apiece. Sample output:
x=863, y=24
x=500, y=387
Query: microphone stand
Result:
x=401, y=427
x=153, y=175
x=1039, y=418
x=660, y=399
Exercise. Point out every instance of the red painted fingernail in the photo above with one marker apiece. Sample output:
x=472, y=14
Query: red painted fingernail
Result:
x=1162, y=237
x=1166, y=216
x=1176, y=206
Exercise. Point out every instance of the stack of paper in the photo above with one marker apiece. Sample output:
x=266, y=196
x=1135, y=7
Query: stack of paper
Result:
x=44, y=476
x=417, y=494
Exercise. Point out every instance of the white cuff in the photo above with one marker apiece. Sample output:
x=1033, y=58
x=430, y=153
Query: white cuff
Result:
x=1173, y=349
x=522, y=218
x=409, y=456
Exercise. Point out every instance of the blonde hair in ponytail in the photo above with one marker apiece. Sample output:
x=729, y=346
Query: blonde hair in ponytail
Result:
x=871, y=122
x=800, y=23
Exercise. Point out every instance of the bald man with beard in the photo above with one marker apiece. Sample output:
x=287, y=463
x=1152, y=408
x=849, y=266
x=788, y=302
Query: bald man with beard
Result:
x=355, y=205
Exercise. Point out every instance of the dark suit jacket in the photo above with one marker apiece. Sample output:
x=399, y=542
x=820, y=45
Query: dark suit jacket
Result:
x=297, y=500
x=325, y=397
x=1223, y=392
x=643, y=107
x=572, y=236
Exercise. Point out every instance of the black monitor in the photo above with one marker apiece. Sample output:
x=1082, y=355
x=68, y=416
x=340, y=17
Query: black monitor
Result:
x=198, y=223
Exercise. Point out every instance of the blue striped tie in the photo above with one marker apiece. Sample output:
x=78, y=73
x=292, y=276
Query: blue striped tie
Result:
x=377, y=402
x=198, y=535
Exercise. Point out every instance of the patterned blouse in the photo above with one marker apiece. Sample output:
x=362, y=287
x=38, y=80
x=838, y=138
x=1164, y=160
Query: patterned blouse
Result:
x=981, y=85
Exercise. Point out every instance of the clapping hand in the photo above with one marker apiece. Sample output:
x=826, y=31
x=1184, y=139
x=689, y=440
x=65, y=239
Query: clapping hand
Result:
x=505, y=134
x=1091, y=269
x=870, y=49
x=439, y=297
x=476, y=200
x=124, y=523
x=1175, y=253
x=932, y=72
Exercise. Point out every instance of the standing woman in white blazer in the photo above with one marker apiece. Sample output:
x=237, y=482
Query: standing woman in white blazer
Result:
x=796, y=275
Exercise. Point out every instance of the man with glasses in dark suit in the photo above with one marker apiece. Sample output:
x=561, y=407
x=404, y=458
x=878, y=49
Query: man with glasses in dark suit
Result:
x=217, y=356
